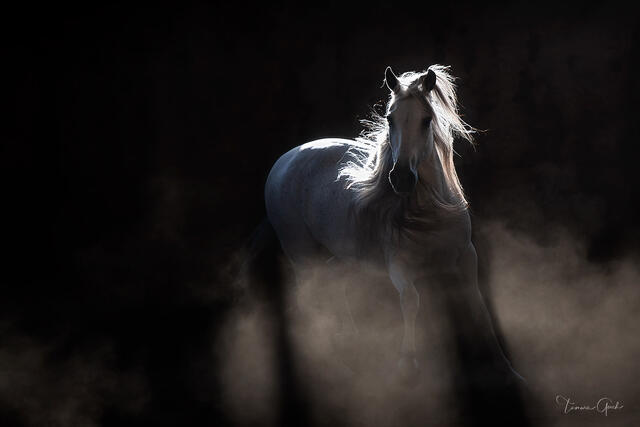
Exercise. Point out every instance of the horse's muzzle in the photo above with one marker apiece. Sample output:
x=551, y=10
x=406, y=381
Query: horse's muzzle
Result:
x=402, y=180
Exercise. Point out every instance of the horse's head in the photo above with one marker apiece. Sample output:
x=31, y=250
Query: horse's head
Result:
x=410, y=133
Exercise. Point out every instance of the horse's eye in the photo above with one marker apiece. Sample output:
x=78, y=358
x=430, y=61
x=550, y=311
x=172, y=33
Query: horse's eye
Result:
x=427, y=122
x=390, y=120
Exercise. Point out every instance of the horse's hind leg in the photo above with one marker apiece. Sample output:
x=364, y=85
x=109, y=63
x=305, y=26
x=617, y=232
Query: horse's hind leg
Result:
x=322, y=291
x=320, y=309
x=345, y=340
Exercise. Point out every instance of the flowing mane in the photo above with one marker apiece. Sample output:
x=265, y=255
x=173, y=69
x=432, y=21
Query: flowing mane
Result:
x=370, y=158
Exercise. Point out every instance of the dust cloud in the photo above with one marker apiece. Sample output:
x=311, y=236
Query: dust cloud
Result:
x=42, y=387
x=571, y=329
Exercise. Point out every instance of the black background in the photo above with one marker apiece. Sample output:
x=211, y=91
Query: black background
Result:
x=138, y=139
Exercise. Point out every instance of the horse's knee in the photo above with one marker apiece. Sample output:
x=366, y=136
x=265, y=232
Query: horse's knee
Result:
x=410, y=300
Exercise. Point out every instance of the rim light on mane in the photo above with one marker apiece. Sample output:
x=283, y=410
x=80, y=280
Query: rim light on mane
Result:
x=370, y=156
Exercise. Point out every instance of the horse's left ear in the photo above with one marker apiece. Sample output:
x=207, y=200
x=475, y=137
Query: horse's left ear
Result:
x=391, y=80
x=428, y=81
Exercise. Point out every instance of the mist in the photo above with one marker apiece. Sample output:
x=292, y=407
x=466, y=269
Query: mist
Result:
x=39, y=385
x=569, y=327
x=134, y=156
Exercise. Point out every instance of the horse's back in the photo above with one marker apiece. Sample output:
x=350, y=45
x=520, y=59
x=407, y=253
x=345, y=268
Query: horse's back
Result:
x=315, y=162
x=306, y=202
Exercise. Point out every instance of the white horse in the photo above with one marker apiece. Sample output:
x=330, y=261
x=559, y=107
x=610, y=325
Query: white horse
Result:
x=392, y=198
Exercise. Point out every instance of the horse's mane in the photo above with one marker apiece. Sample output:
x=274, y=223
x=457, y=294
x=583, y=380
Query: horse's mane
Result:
x=370, y=158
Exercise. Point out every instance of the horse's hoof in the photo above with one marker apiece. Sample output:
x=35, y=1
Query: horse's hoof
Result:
x=408, y=371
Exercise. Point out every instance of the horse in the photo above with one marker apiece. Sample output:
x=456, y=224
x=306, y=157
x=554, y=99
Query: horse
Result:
x=392, y=198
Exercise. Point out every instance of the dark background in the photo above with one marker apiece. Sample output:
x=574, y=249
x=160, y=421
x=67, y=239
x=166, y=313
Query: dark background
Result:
x=138, y=139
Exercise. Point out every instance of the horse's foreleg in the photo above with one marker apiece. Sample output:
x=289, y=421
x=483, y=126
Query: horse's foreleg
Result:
x=489, y=386
x=410, y=304
x=472, y=324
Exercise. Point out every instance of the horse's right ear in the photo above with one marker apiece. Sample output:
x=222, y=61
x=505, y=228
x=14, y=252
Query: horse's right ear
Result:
x=428, y=81
x=391, y=80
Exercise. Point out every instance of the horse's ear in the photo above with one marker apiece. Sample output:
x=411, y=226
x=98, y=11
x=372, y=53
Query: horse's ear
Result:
x=391, y=80
x=428, y=81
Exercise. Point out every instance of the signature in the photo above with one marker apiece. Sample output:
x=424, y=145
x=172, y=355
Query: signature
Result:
x=603, y=405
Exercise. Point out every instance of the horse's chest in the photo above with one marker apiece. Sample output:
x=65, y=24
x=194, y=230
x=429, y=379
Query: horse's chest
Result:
x=430, y=251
